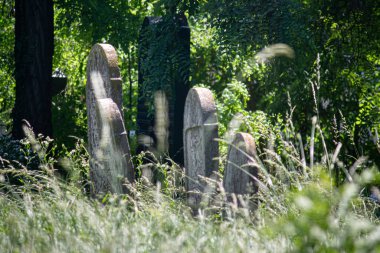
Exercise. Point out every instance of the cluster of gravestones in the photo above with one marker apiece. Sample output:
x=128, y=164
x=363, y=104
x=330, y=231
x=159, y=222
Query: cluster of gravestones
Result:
x=201, y=150
x=111, y=167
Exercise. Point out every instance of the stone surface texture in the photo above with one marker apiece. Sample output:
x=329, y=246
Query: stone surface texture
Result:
x=240, y=175
x=201, y=148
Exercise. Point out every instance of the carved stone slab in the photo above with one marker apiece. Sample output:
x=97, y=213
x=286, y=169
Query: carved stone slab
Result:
x=200, y=146
x=103, y=61
x=110, y=160
x=240, y=175
x=172, y=57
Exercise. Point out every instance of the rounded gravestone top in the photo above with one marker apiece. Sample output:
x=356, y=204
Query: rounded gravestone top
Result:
x=241, y=173
x=200, y=108
x=200, y=145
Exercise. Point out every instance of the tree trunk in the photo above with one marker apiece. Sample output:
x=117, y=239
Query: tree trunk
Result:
x=34, y=46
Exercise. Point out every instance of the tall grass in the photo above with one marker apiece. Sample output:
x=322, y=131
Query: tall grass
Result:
x=299, y=206
x=300, y=210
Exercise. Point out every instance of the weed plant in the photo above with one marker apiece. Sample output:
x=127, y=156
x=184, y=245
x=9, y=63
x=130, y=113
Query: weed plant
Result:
x=310, y=198
x=300, y=209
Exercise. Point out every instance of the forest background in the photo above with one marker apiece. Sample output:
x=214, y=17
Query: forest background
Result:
x=331, y=71
x=334, y=72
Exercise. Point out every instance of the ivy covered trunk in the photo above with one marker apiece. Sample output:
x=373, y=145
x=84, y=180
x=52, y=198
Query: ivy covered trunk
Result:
x=33, y=55
x=164, y=62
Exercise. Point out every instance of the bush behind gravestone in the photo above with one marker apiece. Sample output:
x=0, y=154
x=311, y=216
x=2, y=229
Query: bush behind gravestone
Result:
x=17, y=153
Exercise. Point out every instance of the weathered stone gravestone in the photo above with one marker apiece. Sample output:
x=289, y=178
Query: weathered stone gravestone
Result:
x=110, y=159
x=164, y=62
x=241, y=173
x=201, y=148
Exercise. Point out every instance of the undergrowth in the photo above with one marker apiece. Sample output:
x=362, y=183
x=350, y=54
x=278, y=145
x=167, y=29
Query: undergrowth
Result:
x=300, y=209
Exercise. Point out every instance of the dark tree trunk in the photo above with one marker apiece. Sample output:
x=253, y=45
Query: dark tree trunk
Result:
x=34, y=48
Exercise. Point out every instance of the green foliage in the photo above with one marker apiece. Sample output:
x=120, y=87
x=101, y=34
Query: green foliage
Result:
x=164, y=57
x=78, y=26
x=232, y=101
x=315, y=195
x=323, y=220
x=298, y=212
x=233, y=116
x=17, y=154
x=75, y=164
x=341, y=33
x=69, y=107
x=7, y=64
x=225, y=37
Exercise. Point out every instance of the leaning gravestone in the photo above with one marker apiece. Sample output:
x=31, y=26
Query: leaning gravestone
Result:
x=164, y=63
x=110, y=159
x=240, y=175
x=201, y=148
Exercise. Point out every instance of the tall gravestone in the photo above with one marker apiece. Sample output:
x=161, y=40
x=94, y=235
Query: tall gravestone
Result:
x=110, y=159
x=164, y=62
x=241, y=173
x=201, y=148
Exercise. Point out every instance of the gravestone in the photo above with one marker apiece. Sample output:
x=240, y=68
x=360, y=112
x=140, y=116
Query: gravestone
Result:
x=241, y=173
x=164, y=62
x=110, y=159
x=199, y=136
